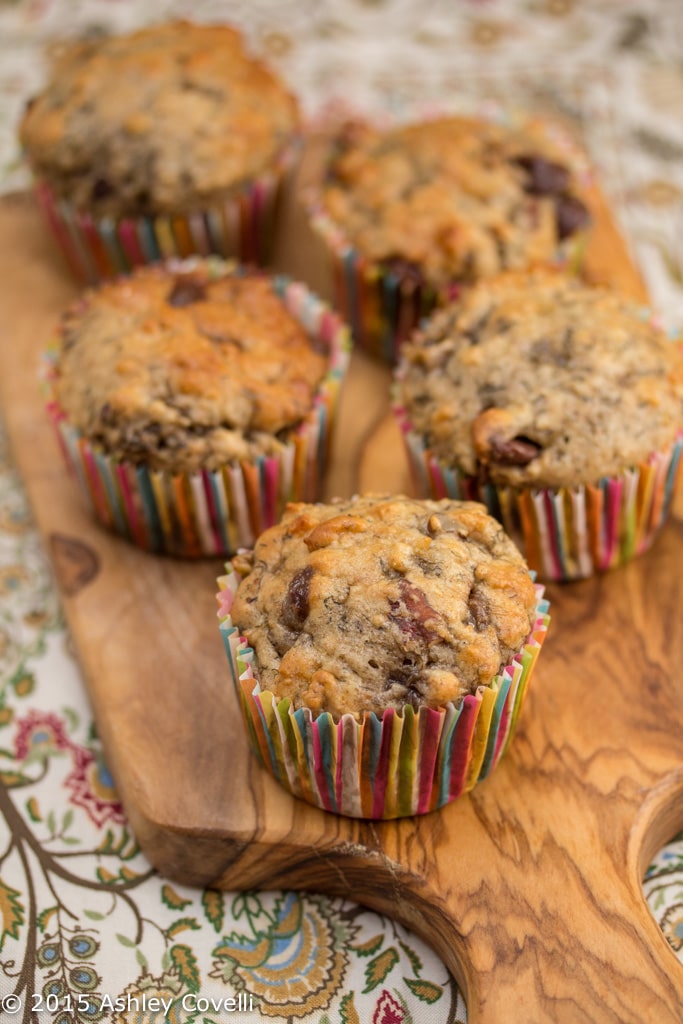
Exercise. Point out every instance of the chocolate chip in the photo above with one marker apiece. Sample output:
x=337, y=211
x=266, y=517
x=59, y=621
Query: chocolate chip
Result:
x=408, y=679
x=478, y=609
x=185, y=291
x=570, y=215
x=107, y=415
x=412, y=613
x=295, y=607
x=517, y=451
x=102, y=188
x=545, y=178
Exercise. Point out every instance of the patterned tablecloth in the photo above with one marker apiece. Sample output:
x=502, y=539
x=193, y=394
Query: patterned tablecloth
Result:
x=88, y=931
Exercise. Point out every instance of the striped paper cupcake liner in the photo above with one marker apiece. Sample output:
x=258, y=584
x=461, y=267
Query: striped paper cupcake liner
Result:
x=401, y=764
x=209, y=513
x=242, y=227
x=384, y=305
x=566, y=533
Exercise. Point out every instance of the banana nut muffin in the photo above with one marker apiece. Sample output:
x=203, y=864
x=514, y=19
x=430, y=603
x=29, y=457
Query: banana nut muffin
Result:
x=454, y=199
x=183, y=370
x=172, y=117
x=540, y=380
x=382, y=601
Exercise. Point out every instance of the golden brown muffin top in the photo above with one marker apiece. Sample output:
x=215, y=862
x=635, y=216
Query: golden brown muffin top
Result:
x=382, y=601
x=172, y=117
x=456, y=198
x=539, y=379
x=183, y=370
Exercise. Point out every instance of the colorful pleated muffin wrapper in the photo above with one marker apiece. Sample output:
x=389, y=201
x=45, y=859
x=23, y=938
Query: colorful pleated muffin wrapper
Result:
x=405, y=763
x=214, y=513
x=385, y=303
x=564, y=533
x=241, y=227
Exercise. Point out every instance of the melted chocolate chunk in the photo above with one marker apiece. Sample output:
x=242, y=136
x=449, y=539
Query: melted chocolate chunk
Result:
x=102, y=188
x=413, y=621
x=517, y=451
x=545, y=178
x=186, y=290
x=407, y=678
x=478, y=609
x=295, y=607
x=570, y=215
x=107, y=415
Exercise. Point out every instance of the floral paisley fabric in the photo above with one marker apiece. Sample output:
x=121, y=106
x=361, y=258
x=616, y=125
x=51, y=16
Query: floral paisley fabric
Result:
x=88, y=931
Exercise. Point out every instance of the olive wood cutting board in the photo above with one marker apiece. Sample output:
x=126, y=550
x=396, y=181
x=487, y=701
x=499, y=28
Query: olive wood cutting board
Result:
x=529, y=888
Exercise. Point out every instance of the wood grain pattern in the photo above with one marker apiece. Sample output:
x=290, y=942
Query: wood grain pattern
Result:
x=529, y=888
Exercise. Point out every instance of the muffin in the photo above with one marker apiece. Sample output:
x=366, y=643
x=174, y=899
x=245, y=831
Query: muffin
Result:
x=390, y=642
x=165, y=142
x=558, y=404
x=411, y=214
x=194, y=400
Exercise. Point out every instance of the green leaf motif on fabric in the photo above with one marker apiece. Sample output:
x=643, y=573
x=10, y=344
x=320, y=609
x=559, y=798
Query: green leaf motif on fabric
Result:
x=181, y=925
x=377, y=969
x=12, y=913
x=11, y=780
x=105, y=876
x=23, y=684
x=172, y=900
x=44, y=917
x=415, y=961
x=71, y=717
x=185, y=963
x=110, y=844
x=348, y=1011
x=125, y=941
x=214, y=907
x=246, y=904
x=426, y=991
x=370, y=947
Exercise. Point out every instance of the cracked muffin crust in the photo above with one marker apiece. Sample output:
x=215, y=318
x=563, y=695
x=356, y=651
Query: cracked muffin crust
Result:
x=185, y=369
x=540, y=380
x=170, y=118
x=382, y=601
x=455, y=199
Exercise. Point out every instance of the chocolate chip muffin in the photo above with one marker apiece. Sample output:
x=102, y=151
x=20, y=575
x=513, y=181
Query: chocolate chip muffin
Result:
x=380, y=601
x=183, y=371
x=434, y=205
x=537, y=381
x=199, y=372
x=172, y=117
x=176, y=122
